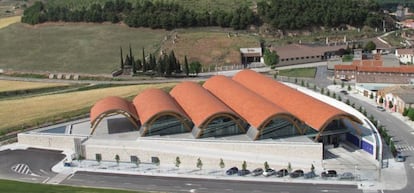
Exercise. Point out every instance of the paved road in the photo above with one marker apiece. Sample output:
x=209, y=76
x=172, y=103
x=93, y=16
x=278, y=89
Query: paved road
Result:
x=32, y=165
x=401, y=133
x=165, y=184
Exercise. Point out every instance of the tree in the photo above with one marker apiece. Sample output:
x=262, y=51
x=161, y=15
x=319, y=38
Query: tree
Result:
x=334, y=82
x=381, y=100
x=137, y=162
x=390, y=105
x=334, y=95
x=177, y=162
x=186, y=67
x=144, y=63
x=405, y=112
x=322, y=91
x=339, y=98
x=221, y=164
x=117, y=159
x=328, y=93
x=312, y=168
x=370, y=46
x=349, y=87
x=266, y=165
x=244, y=165
x=410, y=114
x=348, y=102
x=270, y=57
x=371, y=95
x=195, y=67
x=342, y=84
x=289, y=167
x=122, y=58
x=199, y=164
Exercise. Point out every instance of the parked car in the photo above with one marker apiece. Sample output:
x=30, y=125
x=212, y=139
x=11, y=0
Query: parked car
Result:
x=309, y=175
x=282, y=172
x=380, y=108
x=296, y=174
x=346, y=176
x=329, y=174
x=257, y=171
x=269, y=172
x=232, y=171
x=400, y=157
x=344, y=92
x=243, y=172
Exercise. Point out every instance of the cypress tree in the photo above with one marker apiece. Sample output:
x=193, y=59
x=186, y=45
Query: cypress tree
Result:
x=122, y=58
x=186, y=67
x=144, y=64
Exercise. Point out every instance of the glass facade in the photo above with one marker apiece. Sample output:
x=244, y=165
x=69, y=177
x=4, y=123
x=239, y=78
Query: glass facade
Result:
x=167, y=125
x=278, y=128
x=221, y=126
x=336, y=126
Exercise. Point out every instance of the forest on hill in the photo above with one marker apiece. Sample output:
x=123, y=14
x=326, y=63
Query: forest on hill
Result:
x=281, y=14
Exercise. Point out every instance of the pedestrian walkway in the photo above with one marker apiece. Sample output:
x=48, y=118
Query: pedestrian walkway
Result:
x=22, y=169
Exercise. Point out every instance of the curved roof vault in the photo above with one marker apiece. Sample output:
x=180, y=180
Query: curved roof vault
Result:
x=312, y=111
x=153, y=103
x=253, y=108
x=110, y=105
x=199, y=104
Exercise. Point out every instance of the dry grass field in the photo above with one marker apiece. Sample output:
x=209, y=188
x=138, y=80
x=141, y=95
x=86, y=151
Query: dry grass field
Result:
x=6, y=85
x=210, y=48
x=28, y=111
x=72, y=47
x=4, y=22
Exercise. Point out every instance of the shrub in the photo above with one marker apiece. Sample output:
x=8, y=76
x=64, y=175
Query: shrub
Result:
x=405, y=112
x=410, y=114
x=381, y=100
x=333, y=95
x=348, y=102
x=349, y=87
x=322, y=91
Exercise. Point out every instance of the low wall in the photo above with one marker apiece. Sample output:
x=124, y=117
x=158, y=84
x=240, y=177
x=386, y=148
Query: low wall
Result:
x=300, y=155
x=62, y=142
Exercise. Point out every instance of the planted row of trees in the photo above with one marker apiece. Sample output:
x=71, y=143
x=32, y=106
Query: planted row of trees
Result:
x=281, y=14
x=165, y=65
x=298, y=14
x=145, y=13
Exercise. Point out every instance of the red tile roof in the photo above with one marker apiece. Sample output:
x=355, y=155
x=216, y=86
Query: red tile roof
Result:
x=313, y=112
x=251, y=107
x=153, y=102
x=199, y=104
x=110, y=105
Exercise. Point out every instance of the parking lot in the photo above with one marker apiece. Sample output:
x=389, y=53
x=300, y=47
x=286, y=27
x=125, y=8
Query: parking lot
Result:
x=32, y=165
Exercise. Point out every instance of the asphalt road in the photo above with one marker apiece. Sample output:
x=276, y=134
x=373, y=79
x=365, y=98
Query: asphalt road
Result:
x=166, y=184
x=401, y=133
x=39, y=164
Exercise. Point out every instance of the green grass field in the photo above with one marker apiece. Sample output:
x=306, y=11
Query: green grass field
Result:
x=298, y=72
x=22, y=187
x=81, y=48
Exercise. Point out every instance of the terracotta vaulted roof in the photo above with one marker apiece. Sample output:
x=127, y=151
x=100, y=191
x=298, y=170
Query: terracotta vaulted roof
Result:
x=199, y=104
x=313, y=112
x=400, y=69
x=153, y=102
x=251, y=107
x=110, y=105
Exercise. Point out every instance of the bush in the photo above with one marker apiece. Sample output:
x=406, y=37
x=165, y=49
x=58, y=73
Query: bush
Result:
x=410, y=114
x=405, y=112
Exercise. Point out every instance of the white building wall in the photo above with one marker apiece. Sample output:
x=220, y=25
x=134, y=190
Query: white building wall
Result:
x=209, y=151
x=61, y=142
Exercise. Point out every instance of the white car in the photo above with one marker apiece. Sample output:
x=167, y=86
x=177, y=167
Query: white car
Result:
x=269, y=172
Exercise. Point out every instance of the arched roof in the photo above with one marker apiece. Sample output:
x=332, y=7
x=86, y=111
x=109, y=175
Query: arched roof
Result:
x=111, y=105
x=199, y=104
x=153, y=102
x=253, y=108
x=313, y=112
